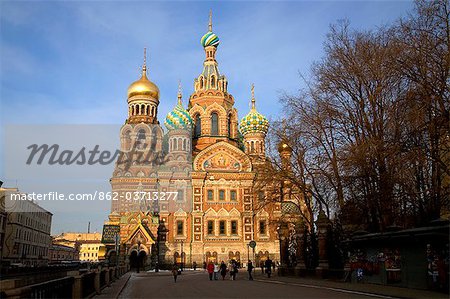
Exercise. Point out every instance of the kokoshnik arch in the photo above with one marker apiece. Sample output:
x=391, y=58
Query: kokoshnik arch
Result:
x=209, y=159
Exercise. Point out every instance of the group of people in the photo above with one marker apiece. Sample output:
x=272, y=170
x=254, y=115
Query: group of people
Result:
x=214, y=269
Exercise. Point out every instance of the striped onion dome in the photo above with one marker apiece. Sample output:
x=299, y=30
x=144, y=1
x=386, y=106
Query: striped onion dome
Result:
x=178, y=118
x=254, y=122
x=210, y=39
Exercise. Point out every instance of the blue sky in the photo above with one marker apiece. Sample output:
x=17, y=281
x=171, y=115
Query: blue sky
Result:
x=71, y=62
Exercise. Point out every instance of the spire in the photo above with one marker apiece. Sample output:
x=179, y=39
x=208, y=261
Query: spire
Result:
x=144, y=66
x=210, y=21
x=179, y=93
x=253, y=97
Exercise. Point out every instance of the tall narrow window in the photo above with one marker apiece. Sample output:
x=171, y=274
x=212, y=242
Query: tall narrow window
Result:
x=229, y=126
x=262, y=227
x=210, y=227
x=210, y=195
x=234, y=227
x=179, y=227
x=140, y=139
x=214, y=124
x=180, y=195
x=221, y=194
x=222, y=230
x=154, y=139
x=198, y=127
x=261, y=195
x=233, y=195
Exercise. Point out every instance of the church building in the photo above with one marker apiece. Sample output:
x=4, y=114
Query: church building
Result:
x=186, y=193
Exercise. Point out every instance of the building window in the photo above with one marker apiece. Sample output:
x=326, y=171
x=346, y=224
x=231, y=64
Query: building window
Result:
x=210, y=195
x=222, y=230
x=261, y=195
x=198, y=127
x=221, y=194
x=234, y=227
x=214, y=124
x=210, y=227
x=233, y=195
x=262, y=227
x=140, y=139
x=179, y=227
x=180, y=195
x=229, y=126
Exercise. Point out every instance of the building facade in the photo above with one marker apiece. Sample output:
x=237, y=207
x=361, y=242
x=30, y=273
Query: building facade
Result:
x=27, y=232
x=63, y=253
x=207, y=160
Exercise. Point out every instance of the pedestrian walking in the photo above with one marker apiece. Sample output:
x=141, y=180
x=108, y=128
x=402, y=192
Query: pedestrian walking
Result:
x=175, y=272
x=223, y=270
x=268, y=265
x=234, y=270
x=194, y=265
x=250, y=270
x=204, y=266
x=210, y=269
x=216, y=271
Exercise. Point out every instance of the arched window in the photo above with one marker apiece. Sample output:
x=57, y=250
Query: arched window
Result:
x=213, y=81
x=214, y=124
x=198, y=126
x=229, y=125
x=154, y=139
x=140, y=139
x=252, y=147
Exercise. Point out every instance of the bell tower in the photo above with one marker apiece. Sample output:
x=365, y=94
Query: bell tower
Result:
x=210, y=105
x=254, y=127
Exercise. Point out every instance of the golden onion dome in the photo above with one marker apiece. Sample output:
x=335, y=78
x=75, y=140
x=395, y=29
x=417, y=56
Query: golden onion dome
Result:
x=283, y=146
x=143, y=86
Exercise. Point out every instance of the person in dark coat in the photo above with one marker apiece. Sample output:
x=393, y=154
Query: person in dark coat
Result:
x=250, y=270
x=175, y=272
x=223, y=270
x=268, y=265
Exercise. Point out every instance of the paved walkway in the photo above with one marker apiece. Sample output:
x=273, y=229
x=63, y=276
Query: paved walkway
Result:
x=197, y=285
x=115, y=288
x=376, y=289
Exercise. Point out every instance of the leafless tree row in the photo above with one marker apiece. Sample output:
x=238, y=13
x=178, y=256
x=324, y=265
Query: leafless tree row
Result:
x=370, y=134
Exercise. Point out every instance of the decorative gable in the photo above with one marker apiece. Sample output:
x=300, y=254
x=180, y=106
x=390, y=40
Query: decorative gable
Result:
x=222, y=156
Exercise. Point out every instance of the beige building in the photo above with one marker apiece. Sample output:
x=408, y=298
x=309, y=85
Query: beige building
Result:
x=90, y=250
x=87, y=245
x=27, y=232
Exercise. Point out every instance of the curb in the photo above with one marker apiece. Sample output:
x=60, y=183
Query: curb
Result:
x=123, y=287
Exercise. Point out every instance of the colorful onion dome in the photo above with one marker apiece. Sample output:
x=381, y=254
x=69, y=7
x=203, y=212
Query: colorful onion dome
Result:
x=254, y=122
x=179, y=117
x=210, y=39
